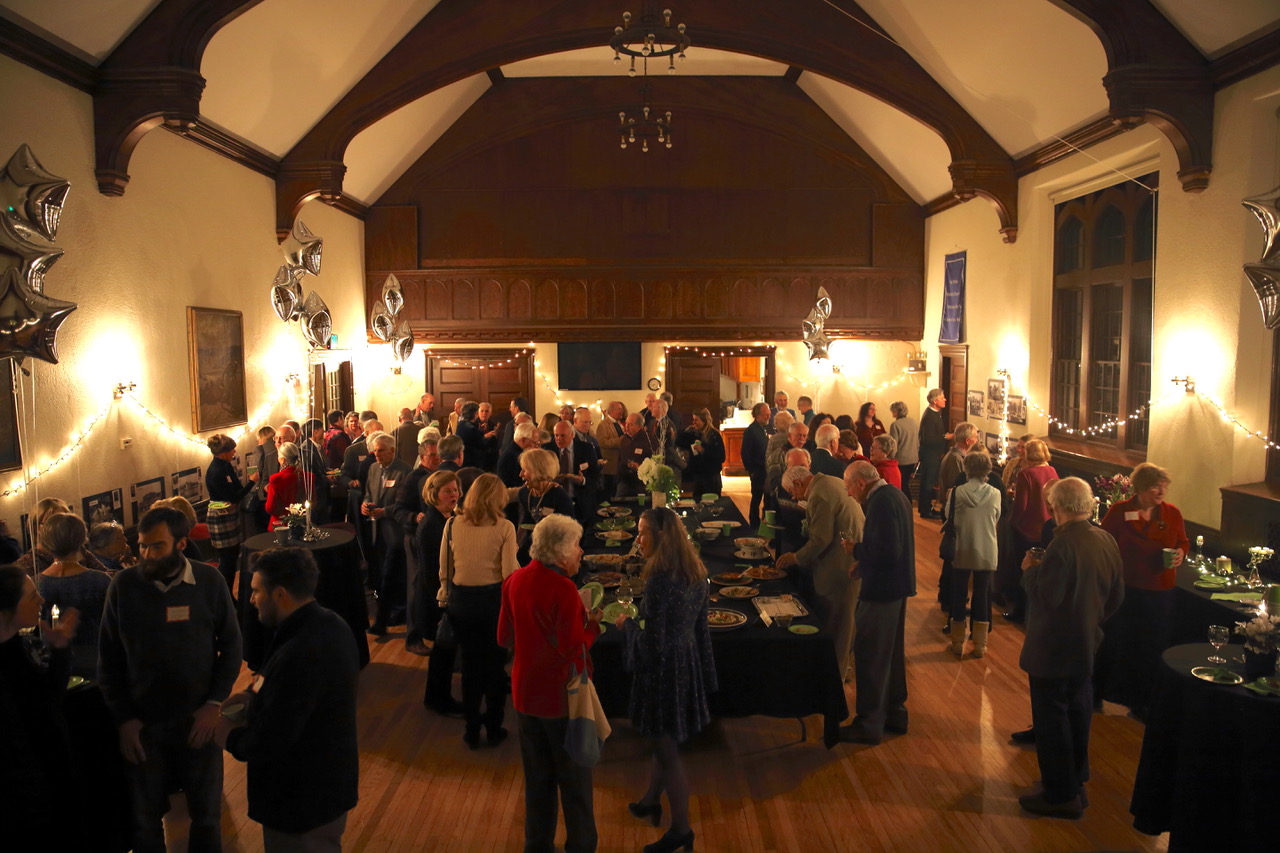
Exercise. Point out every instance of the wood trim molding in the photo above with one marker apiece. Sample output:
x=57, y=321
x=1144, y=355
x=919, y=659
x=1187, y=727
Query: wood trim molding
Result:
x=1246, y=60
x=46, y=57
x=1096, y=131
x=221, y=141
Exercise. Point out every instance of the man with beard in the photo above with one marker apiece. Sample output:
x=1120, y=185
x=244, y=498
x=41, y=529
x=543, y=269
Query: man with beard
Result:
x=297, y=724
x=168, y=654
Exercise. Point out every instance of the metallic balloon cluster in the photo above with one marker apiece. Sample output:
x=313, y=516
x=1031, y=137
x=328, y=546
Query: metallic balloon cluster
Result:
x=815, y=337
x=301, y=257
x=382, y=319
x=31, y=202
x=1265, y=274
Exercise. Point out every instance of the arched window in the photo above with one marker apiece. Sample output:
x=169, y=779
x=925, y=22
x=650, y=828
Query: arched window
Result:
x=1144, y=230
x=1108, y=238
x=1069, y=247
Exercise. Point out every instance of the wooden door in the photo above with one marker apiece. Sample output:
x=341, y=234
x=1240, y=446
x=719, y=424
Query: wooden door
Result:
x=694, y=382
x=496, y=376
x=953, y=377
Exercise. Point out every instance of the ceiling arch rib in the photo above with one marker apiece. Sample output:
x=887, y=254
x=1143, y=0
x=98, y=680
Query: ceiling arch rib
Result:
x=459, y=38
x=1155, y=75
x=153, y=78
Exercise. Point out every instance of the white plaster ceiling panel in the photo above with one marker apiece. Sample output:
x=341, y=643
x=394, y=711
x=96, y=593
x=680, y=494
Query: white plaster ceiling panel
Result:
x=381, y=152
x=276, y=69
x=1023, y=90
x=1215, y=26
x=598, y=62
x=911, y=152
x=93, y=27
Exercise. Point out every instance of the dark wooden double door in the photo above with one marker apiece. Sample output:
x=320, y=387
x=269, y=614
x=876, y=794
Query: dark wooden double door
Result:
x=496, y=376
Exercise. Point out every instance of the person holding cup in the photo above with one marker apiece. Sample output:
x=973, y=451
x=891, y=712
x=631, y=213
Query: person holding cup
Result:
x=1144, y=526
x=540, y=496
x=706, y=453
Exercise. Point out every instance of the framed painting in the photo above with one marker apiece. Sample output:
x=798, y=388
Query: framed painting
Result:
x=1017, y=410
x=143, y=494
x=10, y=447
x=215, y=342
x=995, y=399
x=975, y=400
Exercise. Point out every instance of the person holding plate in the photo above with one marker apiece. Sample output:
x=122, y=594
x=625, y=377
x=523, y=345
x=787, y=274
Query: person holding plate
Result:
x=673, y=668
x=540, y=496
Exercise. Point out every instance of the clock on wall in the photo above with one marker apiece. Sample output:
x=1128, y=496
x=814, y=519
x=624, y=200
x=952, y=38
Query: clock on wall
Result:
x=655, y=383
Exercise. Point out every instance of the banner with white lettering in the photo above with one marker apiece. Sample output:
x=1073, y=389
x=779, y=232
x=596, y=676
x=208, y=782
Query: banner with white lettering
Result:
x=952, y=329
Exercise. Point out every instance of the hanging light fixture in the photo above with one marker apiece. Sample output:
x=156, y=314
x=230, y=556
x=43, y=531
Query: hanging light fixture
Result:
x=650, y=36
x=649, y=124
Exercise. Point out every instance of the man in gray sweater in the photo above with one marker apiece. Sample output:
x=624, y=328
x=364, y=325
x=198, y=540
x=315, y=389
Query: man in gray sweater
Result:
x=168, y=654
x=1076, y=587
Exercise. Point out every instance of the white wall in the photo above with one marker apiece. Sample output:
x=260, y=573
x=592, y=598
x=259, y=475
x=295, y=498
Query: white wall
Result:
x=1206, y=318
x=192, y=229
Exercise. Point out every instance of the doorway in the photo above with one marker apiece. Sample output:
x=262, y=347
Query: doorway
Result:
x=493, y=375
x=953, y=378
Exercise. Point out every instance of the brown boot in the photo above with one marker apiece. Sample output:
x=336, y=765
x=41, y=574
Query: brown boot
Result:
x=959, y=628
x=980, y=630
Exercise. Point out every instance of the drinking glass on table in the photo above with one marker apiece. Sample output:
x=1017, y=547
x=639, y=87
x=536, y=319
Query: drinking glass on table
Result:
x=1218, y=636
x=783, y=620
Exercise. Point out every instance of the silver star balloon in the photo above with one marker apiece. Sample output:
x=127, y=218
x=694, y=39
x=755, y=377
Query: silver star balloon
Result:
x=814, y=336
x=23, y=246
x=1266, y=284
x=383, y=325
x=1265, y=208
x=402, y=343
x=302, y=249
x=286, y=294
x=31, y=194
x=316, y=322
x=392, y=295
x=29, y=320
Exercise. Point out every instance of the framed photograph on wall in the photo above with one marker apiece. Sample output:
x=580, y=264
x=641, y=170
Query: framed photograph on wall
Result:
x=10, y=449
x=975, y=404
x=993, y=445
x=103, y=507
x=215, y=343
x=1017, y=410
x=143, y=494
x=995, y=399
x=187, y=483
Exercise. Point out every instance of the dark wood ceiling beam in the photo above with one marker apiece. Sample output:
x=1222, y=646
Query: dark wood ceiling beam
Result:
x=153, y=79
x=460, y=38
x=1154, y=74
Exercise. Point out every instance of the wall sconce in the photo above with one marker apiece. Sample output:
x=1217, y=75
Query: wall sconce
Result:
x=917, y=362
x=293, y=379
x=1188, y=383
x=123, y=388
x=395, y=370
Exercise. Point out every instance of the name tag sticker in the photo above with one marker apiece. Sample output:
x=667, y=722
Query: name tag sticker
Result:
x=256, y=684
x=228, y=479
x=360, y=456
x=389, y=484
x=1132, y=515
x=638, y=451
x=583, y=466
x=177, y=614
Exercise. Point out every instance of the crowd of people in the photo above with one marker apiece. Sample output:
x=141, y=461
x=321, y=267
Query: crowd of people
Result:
x=474, y=529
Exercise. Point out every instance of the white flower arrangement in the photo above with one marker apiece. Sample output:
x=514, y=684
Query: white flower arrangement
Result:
x=1261, y=633
x=296, y=514
x=656, y=476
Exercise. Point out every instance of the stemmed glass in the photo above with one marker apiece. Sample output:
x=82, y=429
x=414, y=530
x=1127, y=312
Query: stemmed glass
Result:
x=626, y=591
x=1218, y=636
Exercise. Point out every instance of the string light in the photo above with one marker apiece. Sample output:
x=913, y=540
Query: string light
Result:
x=77, y=441
x=529, y=348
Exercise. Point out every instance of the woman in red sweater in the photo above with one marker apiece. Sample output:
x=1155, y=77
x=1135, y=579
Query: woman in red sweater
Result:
x=1026, y=521
x=282, y=488
x=543, y=619
x=1138, y=634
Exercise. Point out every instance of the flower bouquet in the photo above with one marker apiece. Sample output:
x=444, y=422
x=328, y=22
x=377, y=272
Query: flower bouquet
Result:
x=1112, y=490
x=659, y=479
x=295, y=519
x=1261, y=640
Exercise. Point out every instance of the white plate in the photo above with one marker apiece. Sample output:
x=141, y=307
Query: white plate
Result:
x=743, y=555
x=728, y=524
x=739, y=592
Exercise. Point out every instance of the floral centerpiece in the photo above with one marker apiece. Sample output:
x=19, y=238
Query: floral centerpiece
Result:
x=295, y=518
x=1112, y=490
x=1261, y=641
x=659, y=479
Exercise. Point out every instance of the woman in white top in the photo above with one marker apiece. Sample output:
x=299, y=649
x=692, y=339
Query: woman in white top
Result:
x=977, y=510
x=478, y=552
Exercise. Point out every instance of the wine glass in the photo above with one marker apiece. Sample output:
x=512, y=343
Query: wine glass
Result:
x=626, y=592
x=1218, y=636
x=716, y=510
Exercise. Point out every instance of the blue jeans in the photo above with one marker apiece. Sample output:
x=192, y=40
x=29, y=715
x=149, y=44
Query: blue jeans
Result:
x=172, y=764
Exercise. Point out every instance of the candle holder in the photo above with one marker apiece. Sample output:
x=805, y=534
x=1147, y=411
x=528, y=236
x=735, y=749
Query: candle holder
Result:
x=1258, y=555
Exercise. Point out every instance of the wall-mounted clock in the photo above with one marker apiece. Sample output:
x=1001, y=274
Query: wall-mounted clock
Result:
x=655, y=383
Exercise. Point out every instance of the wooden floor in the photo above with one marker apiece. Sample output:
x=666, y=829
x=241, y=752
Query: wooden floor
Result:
x=950, y=785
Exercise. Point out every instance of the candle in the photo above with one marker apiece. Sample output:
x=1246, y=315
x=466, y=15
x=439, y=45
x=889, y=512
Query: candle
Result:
x=54, y=613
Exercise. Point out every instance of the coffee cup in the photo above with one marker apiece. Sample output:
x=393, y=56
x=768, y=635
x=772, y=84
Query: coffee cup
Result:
x=1170, y=556
x=770, y=516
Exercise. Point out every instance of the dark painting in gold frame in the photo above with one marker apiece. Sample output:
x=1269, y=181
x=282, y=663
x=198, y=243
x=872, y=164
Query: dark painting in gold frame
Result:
x=10, y=447
x=215, y=341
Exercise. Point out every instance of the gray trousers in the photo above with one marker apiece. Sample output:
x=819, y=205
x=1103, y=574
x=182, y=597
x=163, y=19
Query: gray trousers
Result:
x=880, y=667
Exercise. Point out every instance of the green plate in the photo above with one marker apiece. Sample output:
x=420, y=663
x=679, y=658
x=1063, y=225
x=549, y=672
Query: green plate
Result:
x=74, y=681
x=526, y=526
x=1217, y=674
x=803, y=629
x=615, y=609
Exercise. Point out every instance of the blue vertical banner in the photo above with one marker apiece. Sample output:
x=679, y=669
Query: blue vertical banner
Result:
x=952, y=329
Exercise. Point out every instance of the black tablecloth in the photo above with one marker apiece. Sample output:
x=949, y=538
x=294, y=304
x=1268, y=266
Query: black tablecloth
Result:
x=103, y=801
x=1194, y=610
x=1210, y=768
x=340, y=589
x=761, y=671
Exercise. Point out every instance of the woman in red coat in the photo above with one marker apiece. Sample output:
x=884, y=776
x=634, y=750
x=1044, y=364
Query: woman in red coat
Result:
x=282, y=488
x=1140, y=631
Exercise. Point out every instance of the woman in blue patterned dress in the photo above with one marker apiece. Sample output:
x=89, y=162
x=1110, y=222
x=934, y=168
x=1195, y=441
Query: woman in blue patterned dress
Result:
x=673, y=670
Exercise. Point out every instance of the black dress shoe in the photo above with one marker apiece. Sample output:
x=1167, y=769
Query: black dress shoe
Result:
x=1025, y=736
x=854, y=733
x=1016, y=616
x=377, y=629
x=472, y=740
x=670, y=842
x=451, y=708
x=496, y=736
x=644, y=811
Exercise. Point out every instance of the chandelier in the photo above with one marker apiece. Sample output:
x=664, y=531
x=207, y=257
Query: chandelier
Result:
x=649, y=125
x=650, y=37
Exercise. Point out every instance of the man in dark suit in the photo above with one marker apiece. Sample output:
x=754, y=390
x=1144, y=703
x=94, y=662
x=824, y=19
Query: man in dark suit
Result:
x=451, y=450
x=387, y=569
x=314, y=470
x=406, y=511
x=886, y=559
x=677, y=419
x=823, y=459
x=518, y=405
x=579, y=469
x=406, y=436
x=355, y=466
x=509, y=461
x=755, y=441
x=424, y=414
x=933, y=446
x=634, y=448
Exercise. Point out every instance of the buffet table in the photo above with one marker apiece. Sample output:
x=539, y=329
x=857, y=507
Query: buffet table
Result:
x=1194, y=610
x=1210, y=766
x=761, y=670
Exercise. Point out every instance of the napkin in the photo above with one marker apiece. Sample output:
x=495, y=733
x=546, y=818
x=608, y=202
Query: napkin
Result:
x=1243, y=597
x=764, y=617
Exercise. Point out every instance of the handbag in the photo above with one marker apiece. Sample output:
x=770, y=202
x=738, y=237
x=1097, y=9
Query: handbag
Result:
x=588, y=727
x=446, y=636
x=947, y=546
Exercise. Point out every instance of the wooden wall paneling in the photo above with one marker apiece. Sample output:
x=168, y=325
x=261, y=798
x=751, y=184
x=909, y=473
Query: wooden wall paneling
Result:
x=498, y=384
x=694, y=382
x=491, y=300
x=897, y=235
x=391, y=237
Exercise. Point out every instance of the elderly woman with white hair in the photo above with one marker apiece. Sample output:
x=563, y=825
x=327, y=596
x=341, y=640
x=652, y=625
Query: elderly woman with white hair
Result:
x=906, y=432
x=543, y=619
x=282, y=488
